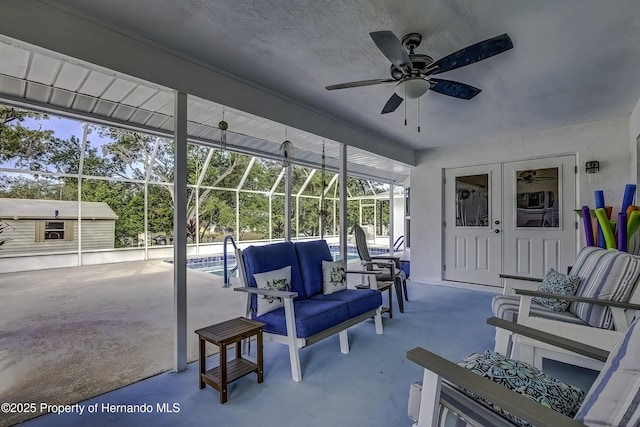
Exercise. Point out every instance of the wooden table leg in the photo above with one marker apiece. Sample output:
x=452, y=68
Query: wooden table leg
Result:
x=259, y=356
x=238, y=347
x=390, y=302
x=223, y=372
x=203, y=364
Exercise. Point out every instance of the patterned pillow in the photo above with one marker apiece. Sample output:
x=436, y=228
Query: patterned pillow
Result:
x=333, y=278
x=559, y=284
x=279, y=280
x=526, y=380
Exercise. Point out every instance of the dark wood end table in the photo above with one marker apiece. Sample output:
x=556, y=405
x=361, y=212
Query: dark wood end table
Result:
x=223, y=334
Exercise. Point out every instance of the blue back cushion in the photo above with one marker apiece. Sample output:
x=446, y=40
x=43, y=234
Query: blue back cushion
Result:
x=259, y=259
x=310, y=256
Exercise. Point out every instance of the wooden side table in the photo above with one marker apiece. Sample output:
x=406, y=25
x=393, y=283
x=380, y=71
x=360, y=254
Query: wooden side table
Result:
x=223, y=334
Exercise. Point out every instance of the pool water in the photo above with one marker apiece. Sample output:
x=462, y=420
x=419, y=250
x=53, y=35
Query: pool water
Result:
x=215, y=264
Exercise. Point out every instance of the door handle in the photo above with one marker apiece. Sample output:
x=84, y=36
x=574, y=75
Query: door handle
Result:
x=497, y=222
x=496, y=231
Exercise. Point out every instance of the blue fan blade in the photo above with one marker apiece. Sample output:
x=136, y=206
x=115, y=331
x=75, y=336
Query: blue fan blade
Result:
x=455, y=89
x=473, y=53
x=392, y=104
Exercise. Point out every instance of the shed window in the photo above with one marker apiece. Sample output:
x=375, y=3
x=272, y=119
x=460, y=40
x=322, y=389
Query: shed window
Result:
x=54, y=230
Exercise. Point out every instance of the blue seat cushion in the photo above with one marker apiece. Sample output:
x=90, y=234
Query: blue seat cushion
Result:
x=358, y=300
x=311, y=317
x=310, y=256
x=260, y=259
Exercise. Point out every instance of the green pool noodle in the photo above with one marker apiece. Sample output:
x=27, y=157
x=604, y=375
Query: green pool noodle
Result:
x=633, y=222
x=609, y=239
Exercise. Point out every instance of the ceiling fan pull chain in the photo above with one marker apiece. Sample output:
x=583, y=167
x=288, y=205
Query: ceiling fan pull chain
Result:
x=405, y=105
x=418, y=115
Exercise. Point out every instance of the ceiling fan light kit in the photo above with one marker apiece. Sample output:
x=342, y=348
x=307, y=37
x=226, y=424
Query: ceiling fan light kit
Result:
x=411, y=71
x=412, y=88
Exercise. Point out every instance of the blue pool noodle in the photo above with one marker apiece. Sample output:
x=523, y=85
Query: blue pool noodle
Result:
x=599, y=194
x=622, y=231
x=629, y=192
x=588, y=230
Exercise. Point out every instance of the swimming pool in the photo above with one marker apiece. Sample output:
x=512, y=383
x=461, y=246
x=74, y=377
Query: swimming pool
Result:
x=214, y=264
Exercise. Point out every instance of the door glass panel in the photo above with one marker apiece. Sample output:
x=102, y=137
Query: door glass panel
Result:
x=537, y=198
x=472, y=200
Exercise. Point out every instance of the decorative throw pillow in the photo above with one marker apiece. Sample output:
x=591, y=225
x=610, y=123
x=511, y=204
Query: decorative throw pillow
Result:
x=279, y=280
x=526, y=380
x=333, y=277
x=559, y=284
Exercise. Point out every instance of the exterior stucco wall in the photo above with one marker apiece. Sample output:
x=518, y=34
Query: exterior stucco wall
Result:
x=605, y=141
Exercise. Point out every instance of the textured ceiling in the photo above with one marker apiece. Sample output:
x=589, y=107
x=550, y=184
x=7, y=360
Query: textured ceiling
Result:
x=573, y=61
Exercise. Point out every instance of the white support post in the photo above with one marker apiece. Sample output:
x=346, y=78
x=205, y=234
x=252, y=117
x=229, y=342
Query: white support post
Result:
x=203, y=173
x=271, y=192
x=297, y=216
x=150, y=162
x=391, y=219
x=287, y=203
x=196, y=239
x=180, y=232
x=270, y=196
x=429, y=399
x=343, y=203
x=83, y=148
x=237, y=215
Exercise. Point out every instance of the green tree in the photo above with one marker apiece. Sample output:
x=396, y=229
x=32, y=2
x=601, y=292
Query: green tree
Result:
x=24, y=147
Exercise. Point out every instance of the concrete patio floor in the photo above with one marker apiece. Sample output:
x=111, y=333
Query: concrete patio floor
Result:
x=73, y=333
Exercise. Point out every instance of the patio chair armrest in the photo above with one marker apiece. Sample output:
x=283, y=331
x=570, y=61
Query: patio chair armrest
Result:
x=574, y=298
x=374, y=272
x=555, y=340
x=395, y=259
x=385, y=257
x=526, y=278
x=268, y=292
x=510, y=282
x=513, y=402
x=387, y=265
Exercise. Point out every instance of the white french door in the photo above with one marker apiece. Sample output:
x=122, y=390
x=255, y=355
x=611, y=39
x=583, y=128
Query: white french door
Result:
x=513, y=218
x=472, y=224
x=539, y=222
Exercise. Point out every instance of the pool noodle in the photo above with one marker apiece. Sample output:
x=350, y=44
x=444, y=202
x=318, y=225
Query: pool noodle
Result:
x=607, y=231
x=629, y=192
x=632, y=223
x=588, y=230
x=622, y=231
x=630, y=209
x=608, y=210
x=599, y=195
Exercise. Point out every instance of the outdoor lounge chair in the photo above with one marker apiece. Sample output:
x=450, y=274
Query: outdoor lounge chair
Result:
x=389, y=266
x=598, y=315
x=453, y=395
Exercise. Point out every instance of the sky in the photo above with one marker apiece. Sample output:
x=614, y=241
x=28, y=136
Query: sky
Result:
x=62, y=127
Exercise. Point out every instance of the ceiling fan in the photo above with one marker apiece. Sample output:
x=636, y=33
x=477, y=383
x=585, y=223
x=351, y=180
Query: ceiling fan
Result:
x=529, y=177
x=410, y=71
